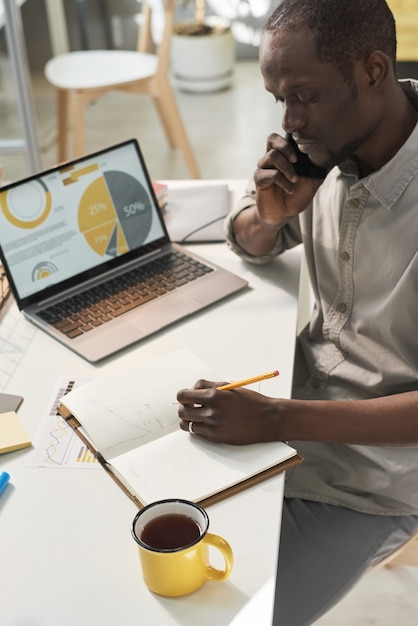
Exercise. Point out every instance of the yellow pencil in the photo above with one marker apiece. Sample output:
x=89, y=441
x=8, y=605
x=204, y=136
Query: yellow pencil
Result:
x=249, y=381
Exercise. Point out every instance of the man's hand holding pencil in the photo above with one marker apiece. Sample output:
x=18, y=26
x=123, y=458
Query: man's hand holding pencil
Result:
x=238, y=418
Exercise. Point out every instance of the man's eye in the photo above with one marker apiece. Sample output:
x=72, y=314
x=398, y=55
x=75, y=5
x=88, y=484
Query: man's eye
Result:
x=307, y=98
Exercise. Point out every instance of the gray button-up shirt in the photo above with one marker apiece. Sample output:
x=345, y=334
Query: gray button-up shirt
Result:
x=361, y=243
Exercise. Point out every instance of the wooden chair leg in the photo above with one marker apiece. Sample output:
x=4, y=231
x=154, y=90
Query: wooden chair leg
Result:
x=62, y=123
x=78, y=129
x=406, y=555
x=168, y=130
x=167, y=107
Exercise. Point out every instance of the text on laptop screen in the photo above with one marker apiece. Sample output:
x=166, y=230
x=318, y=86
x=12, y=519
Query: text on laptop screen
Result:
x=77, y=217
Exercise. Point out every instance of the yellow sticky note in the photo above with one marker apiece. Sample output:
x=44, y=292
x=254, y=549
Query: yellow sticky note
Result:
x=13, y=435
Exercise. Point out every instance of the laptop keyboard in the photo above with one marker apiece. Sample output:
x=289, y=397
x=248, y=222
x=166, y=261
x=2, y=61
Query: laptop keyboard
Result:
x=89, y=309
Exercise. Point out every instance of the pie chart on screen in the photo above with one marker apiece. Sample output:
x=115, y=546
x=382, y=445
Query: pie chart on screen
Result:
x=114, y=214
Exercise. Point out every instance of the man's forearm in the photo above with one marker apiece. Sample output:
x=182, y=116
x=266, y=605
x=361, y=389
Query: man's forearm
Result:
x=386, y=421
x=255, y=237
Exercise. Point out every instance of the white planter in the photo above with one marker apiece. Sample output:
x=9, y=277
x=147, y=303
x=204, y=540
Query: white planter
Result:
x=203, y=63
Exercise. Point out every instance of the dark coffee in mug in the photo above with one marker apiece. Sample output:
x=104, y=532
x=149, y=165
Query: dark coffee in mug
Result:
x=174, y=544
x=170, y=532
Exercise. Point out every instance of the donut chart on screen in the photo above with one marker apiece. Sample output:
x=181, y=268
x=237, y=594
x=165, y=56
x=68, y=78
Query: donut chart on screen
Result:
x=114, y=214
x=28, y=205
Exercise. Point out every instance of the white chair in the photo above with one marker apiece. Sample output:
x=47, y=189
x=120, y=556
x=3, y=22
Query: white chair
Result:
x=80, y=78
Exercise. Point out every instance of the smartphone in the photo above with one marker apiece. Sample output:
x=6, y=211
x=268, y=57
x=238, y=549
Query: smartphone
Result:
x=304, y=166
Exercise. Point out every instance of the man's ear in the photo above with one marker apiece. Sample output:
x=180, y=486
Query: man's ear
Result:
x=377, y=67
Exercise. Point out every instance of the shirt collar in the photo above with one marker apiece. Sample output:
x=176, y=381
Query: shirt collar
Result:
x=389, y=183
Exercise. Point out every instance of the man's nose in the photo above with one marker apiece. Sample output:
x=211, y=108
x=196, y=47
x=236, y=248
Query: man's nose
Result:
x=294, y=117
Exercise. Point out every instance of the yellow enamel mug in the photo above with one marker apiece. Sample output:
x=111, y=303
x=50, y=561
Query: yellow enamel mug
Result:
x=173, y=542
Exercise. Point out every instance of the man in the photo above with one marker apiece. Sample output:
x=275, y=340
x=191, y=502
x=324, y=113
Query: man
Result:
x=353, y=415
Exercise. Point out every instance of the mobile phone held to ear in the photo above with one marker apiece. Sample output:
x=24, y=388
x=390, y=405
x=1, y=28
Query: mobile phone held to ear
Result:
x=304, y=166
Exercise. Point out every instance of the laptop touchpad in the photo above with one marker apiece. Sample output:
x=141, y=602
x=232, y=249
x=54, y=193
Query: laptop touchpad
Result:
x=162, y=312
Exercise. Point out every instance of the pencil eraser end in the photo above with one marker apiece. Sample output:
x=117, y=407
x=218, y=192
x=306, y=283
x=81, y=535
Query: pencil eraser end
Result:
x=276, y=372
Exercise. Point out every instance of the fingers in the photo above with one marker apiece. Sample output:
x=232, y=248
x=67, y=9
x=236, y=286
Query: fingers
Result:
x=193, y=419
x=194, y=395
x=195, y=409
x=202, y=429
x=266, y=177
x=193, y=413
x=280, y=193
x=276, y=166
x=281, y=144
x=194, y=428
x=207, y=384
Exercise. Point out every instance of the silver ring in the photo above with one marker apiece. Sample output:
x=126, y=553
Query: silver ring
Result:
x=191, y=431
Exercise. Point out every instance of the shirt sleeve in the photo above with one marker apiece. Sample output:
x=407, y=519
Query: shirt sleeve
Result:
x=288, y=237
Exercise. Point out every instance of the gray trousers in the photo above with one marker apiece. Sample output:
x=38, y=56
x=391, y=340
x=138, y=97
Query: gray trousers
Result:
x=324, y=551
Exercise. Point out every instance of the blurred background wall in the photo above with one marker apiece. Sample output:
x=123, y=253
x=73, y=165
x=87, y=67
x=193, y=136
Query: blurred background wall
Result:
x=111, y=24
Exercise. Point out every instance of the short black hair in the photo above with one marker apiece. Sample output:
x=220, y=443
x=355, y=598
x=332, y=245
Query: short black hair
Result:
x=345, y=31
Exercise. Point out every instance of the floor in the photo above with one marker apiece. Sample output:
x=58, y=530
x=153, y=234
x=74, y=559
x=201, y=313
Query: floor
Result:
x=228, y=132
x=385, y=597
x=221, y=126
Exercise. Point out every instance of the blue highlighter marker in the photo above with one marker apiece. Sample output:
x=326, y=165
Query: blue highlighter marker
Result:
x=4, y=479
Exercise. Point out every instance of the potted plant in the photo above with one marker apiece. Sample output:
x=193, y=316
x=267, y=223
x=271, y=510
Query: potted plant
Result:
x=203, y=51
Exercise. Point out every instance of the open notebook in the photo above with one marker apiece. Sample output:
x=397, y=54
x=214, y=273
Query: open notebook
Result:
x=130, y=420
x=89, y=259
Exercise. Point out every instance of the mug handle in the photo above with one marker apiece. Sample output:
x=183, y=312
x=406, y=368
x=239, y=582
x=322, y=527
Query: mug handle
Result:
x=226, y=551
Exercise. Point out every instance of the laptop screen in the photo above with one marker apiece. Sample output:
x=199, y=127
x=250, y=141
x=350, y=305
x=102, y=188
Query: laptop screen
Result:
x=78, y=218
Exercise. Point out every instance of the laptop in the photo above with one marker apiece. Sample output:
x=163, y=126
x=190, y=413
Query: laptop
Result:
x=83, y=230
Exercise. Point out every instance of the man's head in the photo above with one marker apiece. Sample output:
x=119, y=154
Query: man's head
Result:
x=344, y=31
x=332, y=65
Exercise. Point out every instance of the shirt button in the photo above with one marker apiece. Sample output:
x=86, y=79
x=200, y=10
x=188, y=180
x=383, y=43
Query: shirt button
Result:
x=345, y=256
x=341, y=307
x=354, y=203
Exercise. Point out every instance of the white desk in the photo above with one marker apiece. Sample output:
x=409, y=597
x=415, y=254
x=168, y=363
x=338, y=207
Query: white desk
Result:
x=66, y=554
